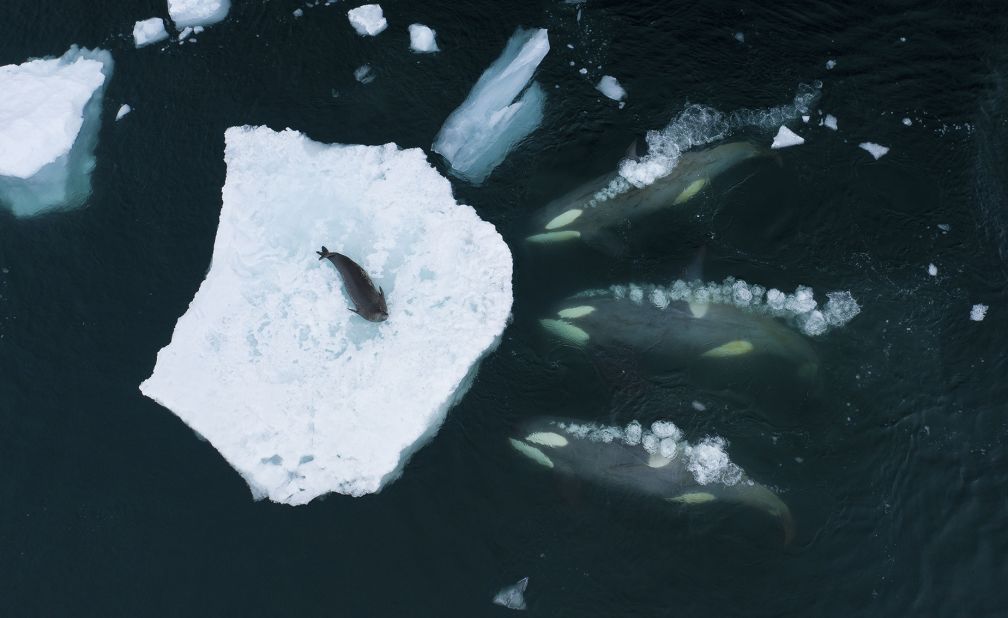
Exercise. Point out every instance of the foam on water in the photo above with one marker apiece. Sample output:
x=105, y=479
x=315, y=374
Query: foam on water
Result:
x=706, y=460
x=299, y=395
x=699, y=125
x=799, y=308
x=49, y=119
x=478, y=135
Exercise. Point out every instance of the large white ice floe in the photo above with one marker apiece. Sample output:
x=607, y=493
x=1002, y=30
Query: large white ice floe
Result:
x=197, y=12
x=149, y=31
x=422, y=39
x=699, y=125
x=478, y=135
x=49, y=119
x=800, y=308
x=367, y=20
x=299, y=395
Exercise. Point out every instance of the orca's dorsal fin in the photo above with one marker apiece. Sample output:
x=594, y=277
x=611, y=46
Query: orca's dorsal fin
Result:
x=631, y=151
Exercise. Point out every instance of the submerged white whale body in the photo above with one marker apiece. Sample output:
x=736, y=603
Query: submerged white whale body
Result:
x=297, y=393
x=501, y=110
x=50, y=115
x=580, y=216
x=656, y=462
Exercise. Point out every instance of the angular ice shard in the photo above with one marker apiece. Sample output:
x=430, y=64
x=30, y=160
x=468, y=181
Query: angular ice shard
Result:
x=786, y=137
x=123, y=110
x=149, y=31
x=49, y=119
x=478, y=135
x=367, y=20
x=299, y=395
x=422, y=39
x=198, y=12
x=876, y=150
x=512, y=597
x=611, y=87
x=830, y=121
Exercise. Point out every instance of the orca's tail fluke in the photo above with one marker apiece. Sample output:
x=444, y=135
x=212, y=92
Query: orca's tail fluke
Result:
x=324, y=253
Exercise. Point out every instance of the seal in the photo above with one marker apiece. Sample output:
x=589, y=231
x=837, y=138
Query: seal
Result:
x=369, y=300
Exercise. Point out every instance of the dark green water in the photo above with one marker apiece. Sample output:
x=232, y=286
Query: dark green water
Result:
x=110, y=506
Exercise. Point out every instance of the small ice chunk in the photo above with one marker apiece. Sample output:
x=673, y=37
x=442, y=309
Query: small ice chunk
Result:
x=197, y=12
x=830, y=121
x=945, y=227
x=478, y=135
x=978, y=312
x=699, y=407
x=805, y=118
x=830, y=64
x=786, y=137
x=874, y=149
x=49, y=119
x=907, y=122
x=583, y=71
x=611, y=87
x=422, y=39
x=740, y=37
x=367, y=20
x=364, y=74
x=198, y=29
x=932, y=270
x=149, y=31
x=185, y=32
x=125, y=109
x=251, y=363
x=512, y=597
x=298, y=12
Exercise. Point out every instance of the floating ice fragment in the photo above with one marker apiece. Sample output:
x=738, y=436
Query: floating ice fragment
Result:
x=786, y=137
x=185, y=32
x=805, y=118
x=740, y=37
x=978, y=312
x=49, y=119
x=699, y=407
x=932, y=270
x=367, y=20
x=512, y=597
x=422, y=39
x=611, y=87
x=830, y=121
x=478, y=135
x=874, y=149
x=907, y=122
x=830, y=64
x=125, y=109
x=583, y=71
x=197, y=12
x=944, y=227
x=364, y=74
x=268, y=361
x=298, y=12
x=149, y=31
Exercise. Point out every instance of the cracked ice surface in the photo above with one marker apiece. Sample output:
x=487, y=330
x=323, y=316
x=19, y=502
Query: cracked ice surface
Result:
x=299, y=395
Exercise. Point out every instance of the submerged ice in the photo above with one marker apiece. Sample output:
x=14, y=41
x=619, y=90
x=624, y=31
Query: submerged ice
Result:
x=298, y=394
x=478, y=135
x=49, y=119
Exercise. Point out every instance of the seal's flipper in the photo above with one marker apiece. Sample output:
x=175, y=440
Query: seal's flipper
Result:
x=323, y=254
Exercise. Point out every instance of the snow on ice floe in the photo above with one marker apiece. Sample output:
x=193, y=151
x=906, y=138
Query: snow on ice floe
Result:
x=188, y=13
x=786, y=137
x=478, y=135
x=978, y=312
x=512, y=597
x=874, y=149
x=299, y=395
x=800, y=308
x=149, y=31
x=367, y=20
x=123, y=110
x=422, y=39
x=611, y=87
x=49, y=119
